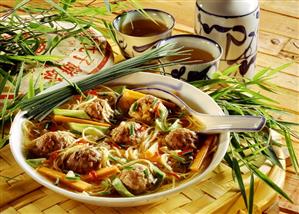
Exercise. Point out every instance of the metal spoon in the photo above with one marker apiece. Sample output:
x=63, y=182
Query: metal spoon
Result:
x=212, y=123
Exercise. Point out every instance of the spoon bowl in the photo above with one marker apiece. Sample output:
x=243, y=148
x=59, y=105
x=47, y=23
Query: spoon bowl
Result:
x=212, y=123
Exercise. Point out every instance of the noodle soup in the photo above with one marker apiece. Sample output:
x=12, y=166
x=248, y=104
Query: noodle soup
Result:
x=117, y=142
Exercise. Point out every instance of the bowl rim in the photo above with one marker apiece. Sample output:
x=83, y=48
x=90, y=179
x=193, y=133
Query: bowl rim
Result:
x=16, y=149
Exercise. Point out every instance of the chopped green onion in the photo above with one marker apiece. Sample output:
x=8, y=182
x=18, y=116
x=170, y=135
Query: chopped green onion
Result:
x=34, y=163
x=135, y=106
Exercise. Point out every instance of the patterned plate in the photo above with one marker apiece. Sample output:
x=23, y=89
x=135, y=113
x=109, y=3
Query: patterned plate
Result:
x=78, y=58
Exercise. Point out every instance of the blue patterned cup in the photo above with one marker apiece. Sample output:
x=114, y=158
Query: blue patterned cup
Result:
x=132, y=45
x=197, y=69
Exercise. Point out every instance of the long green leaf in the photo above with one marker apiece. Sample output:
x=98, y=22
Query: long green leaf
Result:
x=19, y=79
x=251, y=195
x=238, y=175
x=291, y=150
x=260, y=73
x=40, y=58
x=3, y=82
x=268, y=181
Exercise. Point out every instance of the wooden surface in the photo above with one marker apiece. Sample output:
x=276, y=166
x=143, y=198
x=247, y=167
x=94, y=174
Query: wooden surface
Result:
x=278, y=44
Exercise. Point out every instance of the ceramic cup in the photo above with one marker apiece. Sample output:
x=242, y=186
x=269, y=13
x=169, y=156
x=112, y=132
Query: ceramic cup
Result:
x=234, y=25
x=191, y=71
x=131, y=46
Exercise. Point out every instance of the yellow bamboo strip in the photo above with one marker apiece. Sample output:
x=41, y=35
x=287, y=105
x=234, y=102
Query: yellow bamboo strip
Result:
x=80, y=210
x=128, y=210
x=69, y=204
x=221, y=205
x=27, y=199
x=54, y=209
x=50, y=200
x=213, y=189
x=174, y=202
x=193, y=193
x=105, y=210
x=198, y=204
x=9, y=210
x=29, y=209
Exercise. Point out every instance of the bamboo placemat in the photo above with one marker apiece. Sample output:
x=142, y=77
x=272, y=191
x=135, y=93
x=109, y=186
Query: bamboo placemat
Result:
x=217, y=193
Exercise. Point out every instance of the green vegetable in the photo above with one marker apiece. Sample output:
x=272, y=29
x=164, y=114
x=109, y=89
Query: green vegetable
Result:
x=132, y=130
x=119, y=89
x=71, y=113
x=159, y=175
x=79, y=127
x=72, y=176
x=165, y=127
x=178, y=158
x=135, y=106
x=120, y=188
x=34, y=163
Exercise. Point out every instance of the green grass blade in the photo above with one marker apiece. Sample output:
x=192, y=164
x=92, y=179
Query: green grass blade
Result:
x=107, y=5
x=291, y=150
x=251, y=195
x=238, y=176
x=278, y=69
x=19, y=80
x=3, y=82
x=31, y=91
x=40, y=58
x=230, y=70
x=268, y=181
x=260, y=74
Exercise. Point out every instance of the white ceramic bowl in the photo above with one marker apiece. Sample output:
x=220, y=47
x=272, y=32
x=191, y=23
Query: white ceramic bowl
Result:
x=197, y=99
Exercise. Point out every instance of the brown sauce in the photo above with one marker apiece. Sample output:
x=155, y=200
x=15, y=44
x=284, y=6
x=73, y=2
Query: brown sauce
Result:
x=195, y=55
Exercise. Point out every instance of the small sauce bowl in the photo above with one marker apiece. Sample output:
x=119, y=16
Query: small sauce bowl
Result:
x=196, y=69
x=144, y=36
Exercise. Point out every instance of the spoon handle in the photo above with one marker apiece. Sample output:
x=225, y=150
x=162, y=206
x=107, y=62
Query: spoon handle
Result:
x=233, y=123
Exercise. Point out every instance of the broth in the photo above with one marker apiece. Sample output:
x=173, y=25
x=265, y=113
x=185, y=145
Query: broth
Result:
x=195, y=55
x=143, y=27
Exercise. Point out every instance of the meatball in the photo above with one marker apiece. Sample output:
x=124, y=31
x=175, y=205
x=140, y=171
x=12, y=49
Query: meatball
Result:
x=99, y=109
x=137, y=178
x=181, y=138
x=50, y=142
x=147, y=109
x=127, y=133
x=81, y=159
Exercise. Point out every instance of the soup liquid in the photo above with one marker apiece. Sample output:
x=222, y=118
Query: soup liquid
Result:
x=143, y=27
x=196, y=55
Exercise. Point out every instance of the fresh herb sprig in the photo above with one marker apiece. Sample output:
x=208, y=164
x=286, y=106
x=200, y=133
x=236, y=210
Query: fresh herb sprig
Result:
x=41, y=105
x=239, y=96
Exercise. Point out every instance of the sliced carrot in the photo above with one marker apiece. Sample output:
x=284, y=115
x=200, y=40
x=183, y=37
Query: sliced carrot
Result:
x=53, y=174
x=107, y=172
x=130, y=96
x=153, y=152
x=201, y=154
x=65, y=119
x=102, y=173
